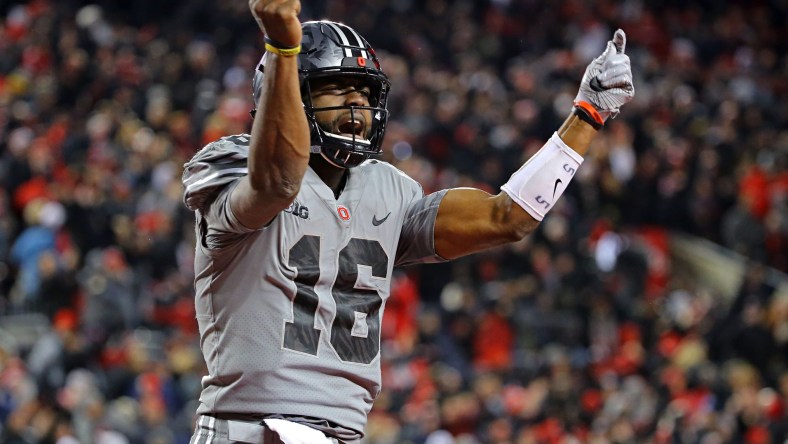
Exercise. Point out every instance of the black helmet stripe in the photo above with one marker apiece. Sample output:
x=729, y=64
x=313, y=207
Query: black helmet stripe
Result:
x=343, y=37
x=345, y=34
x=360, y=42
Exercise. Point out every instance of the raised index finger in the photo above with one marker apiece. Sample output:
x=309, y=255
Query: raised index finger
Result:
x=620, y=40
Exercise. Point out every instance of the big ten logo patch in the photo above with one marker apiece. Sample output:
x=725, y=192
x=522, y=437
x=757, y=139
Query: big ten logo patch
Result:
x=343, y=212
x=297, y=209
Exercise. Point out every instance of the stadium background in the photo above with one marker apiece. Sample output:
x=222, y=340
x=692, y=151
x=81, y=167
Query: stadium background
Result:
x=651, y=306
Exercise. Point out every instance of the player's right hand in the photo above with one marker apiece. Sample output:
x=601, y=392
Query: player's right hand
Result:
x=607, y=82
x=278, y=19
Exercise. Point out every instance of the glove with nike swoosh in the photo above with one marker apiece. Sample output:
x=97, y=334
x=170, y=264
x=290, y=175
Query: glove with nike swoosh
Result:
x=607, y=82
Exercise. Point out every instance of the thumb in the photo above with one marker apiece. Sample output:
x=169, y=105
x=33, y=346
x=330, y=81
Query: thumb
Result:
x=610, y=49
x=620, y=41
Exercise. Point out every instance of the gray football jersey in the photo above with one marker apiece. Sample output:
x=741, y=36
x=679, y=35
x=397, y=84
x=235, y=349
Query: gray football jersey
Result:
x=290, y=314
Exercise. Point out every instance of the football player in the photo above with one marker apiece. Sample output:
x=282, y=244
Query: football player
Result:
x=299, y=227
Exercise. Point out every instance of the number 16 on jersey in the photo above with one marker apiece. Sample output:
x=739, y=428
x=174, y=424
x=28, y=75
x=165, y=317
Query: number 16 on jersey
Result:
x=355, y=330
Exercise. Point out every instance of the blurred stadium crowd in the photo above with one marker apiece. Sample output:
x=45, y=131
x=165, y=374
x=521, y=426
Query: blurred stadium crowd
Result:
x=573, y=335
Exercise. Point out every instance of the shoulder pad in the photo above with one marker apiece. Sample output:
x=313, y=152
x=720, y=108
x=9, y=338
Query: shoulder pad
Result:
x=214, y=167
x=385, y=169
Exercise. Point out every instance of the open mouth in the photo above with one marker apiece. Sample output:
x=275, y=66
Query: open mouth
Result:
x=352, y=128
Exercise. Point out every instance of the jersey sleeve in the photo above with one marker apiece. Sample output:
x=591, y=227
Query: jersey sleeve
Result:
x=218, y=226
x=417, y=237
x=213, y=168
x=208, y=179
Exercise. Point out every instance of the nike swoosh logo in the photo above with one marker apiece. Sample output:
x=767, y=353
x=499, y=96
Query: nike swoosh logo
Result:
x=555, y=187
x=377, y=222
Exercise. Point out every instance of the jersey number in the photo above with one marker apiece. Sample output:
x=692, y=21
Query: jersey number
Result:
x=355, y=332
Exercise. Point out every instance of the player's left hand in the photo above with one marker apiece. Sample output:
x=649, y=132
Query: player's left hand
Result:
x=607, y=82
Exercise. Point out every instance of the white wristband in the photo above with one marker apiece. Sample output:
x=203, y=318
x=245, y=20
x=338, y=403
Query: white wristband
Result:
x=538, y=184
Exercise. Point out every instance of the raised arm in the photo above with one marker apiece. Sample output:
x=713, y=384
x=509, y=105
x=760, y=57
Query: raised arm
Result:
x=279, y=145
x=470, y=220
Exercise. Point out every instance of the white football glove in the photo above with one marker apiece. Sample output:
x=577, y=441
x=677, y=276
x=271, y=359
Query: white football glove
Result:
x=607, y=82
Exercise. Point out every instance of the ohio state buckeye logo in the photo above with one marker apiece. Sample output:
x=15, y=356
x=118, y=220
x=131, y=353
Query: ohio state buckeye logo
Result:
x=343, y=212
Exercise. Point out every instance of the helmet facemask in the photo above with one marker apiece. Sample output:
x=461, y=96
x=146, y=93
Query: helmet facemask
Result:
x=355, y=133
